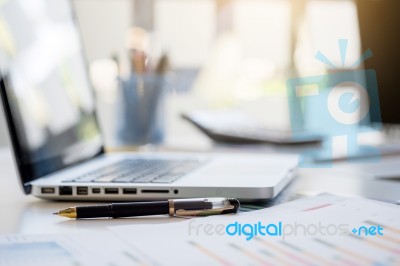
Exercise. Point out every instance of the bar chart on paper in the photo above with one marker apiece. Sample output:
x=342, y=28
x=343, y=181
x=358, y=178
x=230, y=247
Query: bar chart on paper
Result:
x=361, y=247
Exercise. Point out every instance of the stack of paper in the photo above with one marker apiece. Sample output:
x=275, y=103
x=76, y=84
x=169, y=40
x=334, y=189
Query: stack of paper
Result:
x=324, y=230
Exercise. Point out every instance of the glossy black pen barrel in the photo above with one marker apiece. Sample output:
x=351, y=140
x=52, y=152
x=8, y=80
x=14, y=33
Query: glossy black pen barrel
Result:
x=123, y=210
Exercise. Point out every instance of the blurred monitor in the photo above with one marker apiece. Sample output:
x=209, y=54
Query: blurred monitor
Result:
x=380, y=31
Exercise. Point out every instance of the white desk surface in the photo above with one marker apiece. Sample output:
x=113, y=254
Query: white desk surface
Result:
x=28, y=215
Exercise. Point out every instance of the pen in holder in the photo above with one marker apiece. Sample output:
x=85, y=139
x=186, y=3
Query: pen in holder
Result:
x=141, y=111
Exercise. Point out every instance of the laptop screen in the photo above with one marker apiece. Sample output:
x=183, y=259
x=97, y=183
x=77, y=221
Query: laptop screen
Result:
x=47, y=94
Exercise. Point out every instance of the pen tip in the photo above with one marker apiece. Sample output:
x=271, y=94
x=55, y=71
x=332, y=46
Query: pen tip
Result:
x=55, y=213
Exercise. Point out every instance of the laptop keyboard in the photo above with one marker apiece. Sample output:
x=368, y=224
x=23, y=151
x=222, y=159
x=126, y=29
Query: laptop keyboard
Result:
x=139, y=171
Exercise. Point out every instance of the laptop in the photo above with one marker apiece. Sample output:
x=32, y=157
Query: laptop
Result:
x=58, y=148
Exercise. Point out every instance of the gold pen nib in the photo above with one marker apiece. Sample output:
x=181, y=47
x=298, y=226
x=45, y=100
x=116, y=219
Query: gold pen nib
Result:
x=69, y=212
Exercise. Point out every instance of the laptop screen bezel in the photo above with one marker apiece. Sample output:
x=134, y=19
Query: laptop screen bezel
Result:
x=25, y=170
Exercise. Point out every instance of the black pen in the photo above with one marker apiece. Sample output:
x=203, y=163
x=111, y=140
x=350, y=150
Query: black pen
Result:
x=173, y=207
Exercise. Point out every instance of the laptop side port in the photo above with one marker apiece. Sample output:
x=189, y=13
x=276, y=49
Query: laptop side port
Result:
x=155, y=191
x=129, y=190
x=111, y=191
x=48, y=190
x=96, y=190
x=81, y=190
x=65, y=191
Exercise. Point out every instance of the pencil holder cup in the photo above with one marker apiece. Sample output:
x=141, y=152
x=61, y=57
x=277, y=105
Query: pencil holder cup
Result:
x=141, y=109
